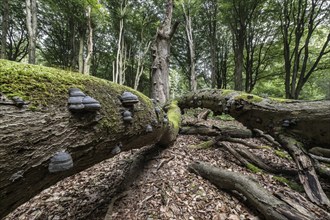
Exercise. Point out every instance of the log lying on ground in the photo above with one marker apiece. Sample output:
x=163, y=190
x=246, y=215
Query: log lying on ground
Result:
x=306, y=121
x=230, y=131
x=267, y=204
x=30, y=135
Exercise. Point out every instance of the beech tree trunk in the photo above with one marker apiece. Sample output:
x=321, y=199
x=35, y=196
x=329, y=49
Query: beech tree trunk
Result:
x=31, y=23
x=160, y=90
x=87, y=61
x=191, y=46
x=31, y=135
x=5, y=27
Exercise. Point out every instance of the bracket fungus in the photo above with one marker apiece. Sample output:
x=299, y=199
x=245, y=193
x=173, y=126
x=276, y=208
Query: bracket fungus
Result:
x=129, y=99
x=149, y=129
x=79, y=102
x=127, y=116
x=289, y=122
x=61, y=161
x=117, y=149
x=157, y=110
x=18, y=101
x=165, y=120
x=74, y=92
x=91, y=104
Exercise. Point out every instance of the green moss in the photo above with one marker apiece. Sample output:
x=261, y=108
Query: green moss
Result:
x=292, y=184
x=225, y=117
x=225, y=92
x=265, y=147
x=281, y=100
x=248, y=97
x=174, y=114
x=36, y=84
x=253, y=168
x=282, y=154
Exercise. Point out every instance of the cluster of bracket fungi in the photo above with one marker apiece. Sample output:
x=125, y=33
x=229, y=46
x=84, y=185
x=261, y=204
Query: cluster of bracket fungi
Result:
x=79, y=102
x=128, y=100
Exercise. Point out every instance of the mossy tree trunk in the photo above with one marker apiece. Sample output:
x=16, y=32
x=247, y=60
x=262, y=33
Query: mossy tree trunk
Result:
x=31, y=135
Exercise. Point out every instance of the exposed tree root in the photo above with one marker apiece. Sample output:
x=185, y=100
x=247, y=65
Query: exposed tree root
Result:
x=319, y=151
x=267, y=204
x=321, y=159
x=307, y=174
x=268, y=137
x=271, y=168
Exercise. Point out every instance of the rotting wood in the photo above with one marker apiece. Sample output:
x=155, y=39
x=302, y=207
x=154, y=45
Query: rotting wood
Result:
x=306, y=171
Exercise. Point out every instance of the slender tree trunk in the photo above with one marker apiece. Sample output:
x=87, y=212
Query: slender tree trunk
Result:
x=81, y=53
x=239, y=58
x=120, y=45
x=140, y=67
x=87, y=62
x=5, y=26
x=191, y=48
x=160, y=90
x=31, y=21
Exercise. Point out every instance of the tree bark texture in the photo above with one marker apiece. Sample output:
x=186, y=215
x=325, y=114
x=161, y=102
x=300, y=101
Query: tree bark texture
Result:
x=30, y=136
x=216, y=131
x=5, y=27
x=31, y=23
x=267, y=204
x=160, y=50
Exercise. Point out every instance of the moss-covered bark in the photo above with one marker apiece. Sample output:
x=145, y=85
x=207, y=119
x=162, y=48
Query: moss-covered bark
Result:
x=30, y=136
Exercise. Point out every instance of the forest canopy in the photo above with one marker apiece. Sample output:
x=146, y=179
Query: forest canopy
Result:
x=276, y=48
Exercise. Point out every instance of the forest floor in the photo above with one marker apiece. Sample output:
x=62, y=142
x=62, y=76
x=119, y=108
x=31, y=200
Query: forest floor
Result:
x=165, y=190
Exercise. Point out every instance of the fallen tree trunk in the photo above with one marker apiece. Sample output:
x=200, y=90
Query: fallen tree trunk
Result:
x=233, y=132
x=308, y=122
x=267, y=204
x=33, y=137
